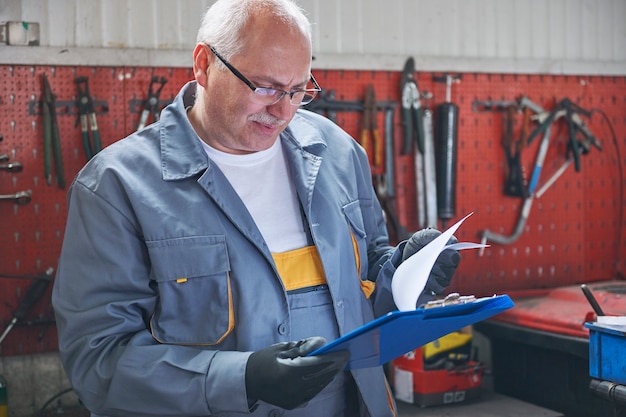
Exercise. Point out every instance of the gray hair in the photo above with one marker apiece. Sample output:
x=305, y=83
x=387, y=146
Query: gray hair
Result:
x=222, y=23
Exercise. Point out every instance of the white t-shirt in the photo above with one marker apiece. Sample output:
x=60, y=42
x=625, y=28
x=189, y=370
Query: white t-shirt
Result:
x=263, y=181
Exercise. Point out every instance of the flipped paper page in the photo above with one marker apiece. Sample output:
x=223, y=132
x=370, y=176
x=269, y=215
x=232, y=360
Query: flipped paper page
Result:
x=398, y=332
x=410, y=278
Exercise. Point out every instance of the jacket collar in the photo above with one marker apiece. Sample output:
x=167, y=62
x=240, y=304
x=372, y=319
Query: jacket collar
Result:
x=182, y=155
x=181, y=150
x=309, y=136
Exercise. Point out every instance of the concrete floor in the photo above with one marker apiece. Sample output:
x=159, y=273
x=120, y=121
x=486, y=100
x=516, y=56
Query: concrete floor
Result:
x=490, y=404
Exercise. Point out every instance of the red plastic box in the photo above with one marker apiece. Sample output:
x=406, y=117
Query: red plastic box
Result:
x=413, y=384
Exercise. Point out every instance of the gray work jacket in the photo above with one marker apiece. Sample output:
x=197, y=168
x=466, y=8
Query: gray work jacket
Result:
x=165, y=285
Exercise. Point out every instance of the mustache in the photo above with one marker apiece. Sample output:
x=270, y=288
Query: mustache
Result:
x=266, y=119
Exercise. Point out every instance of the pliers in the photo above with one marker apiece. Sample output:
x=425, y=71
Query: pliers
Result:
x=412, y=112
x=515, y=184
x=575, y=124
x=152, y=103
x=370, y=135
x=51, y=137
x=87, y=114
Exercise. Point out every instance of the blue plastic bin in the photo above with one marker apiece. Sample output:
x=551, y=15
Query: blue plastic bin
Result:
x=607, y=348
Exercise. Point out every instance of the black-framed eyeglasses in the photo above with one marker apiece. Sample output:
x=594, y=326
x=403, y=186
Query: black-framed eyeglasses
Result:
x=269, y=96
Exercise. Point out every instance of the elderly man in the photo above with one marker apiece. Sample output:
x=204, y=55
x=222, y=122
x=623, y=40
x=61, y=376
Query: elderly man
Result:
x=208, y=254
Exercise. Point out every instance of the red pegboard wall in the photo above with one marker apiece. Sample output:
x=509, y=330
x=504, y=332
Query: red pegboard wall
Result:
x=572, y=235
x=34, y=232
x=575, y=231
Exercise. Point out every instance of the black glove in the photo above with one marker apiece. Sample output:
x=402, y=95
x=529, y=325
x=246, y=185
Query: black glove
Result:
x=445, y=265
x=284, y=376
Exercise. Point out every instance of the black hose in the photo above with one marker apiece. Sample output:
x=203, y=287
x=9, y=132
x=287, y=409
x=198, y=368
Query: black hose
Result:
x=620, y=273
x=56, y=396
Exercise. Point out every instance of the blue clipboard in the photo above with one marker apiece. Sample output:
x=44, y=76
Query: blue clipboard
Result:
x=399, y=332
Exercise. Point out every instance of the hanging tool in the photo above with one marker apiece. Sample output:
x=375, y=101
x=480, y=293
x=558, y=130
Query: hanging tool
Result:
x=11, y=167
x=430, y=170
x=417, y=123
x=503, y=105
x=5, y=165
x=389, y=153
x=528, y=201
x=370, y=137
x=575, y=124
x=371, y=140
x=20, y=198
x=412, y=116
x=446, y=142
x=515, y=184
x=493, y=105
x=152, y=102
x=380, y=156
x=575, y=147
x=87, y=115
x=51, y=137
x=386, y=193
x=326, y=105
x=34, y=293
x=488, y=235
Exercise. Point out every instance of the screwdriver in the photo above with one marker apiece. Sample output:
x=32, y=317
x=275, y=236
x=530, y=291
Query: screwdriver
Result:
x=34, y=293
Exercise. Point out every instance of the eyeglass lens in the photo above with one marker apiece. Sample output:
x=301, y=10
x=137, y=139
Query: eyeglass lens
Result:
x=270, y=96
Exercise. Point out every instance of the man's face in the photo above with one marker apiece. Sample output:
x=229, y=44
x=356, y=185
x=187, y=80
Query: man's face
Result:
x=274, y=56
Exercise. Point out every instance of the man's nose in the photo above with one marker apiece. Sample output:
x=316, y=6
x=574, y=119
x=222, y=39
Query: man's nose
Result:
x=283, y=109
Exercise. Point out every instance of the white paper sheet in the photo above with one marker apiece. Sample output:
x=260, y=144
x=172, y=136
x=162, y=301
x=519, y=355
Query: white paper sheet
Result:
x=410, y=278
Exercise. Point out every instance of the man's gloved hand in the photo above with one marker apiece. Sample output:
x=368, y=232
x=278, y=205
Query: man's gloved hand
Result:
x=284, y=376
x=446, y=263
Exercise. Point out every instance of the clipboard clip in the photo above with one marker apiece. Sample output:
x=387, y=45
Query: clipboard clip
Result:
x=451, y=299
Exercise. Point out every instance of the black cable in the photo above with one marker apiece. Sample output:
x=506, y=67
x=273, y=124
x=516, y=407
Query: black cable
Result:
x=27, y=276
x=56, y=396
x=620, y=274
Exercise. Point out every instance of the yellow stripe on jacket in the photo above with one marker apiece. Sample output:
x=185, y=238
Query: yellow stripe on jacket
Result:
x=300, y=268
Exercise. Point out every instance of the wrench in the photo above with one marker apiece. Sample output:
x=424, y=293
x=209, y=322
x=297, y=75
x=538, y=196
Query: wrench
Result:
x=12, y=167
x=21, y=197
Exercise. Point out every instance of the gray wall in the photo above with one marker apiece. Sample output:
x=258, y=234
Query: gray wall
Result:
x=511, y=36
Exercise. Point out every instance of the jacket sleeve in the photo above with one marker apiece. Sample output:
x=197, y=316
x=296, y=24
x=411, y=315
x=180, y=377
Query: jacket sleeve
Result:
x=383, y=262
x=103, y=300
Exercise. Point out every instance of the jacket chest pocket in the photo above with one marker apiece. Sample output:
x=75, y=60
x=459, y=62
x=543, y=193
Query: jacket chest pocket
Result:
x=354, y=216
x=195, y=304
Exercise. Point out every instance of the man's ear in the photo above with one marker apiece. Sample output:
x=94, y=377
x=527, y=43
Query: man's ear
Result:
x=201, y=60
